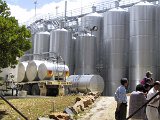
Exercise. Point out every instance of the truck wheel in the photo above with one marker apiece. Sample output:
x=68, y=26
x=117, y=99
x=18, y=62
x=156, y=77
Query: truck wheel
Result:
x=27, y=88
x=35, y=90
x=52, y=92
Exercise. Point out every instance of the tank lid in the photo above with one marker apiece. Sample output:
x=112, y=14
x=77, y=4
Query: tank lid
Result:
x=144, y=3
x=44, y=33
x=62, y=29
x=117, y=9
x=94, y=14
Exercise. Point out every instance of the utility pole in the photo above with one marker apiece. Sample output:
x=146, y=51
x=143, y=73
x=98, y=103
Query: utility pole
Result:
x=35, y=3
x=57, y=10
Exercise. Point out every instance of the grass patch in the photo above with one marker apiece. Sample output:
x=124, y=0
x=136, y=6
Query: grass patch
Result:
x=33, y=108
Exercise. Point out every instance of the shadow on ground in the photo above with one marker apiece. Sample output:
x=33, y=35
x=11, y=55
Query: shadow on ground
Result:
x=2, y=114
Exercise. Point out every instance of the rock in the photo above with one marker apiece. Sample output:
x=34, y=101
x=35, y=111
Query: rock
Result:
x=78, y=99
x=59, y=116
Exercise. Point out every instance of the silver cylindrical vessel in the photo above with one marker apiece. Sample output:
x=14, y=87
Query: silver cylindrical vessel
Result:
x=157, y=38
x=41, y=45
x=142, y=42
x=85, y=61
x=21, y=75
x=86, y=83
x=116, y=41
x=88, y=22
x=32, y=70
x=60, y=43
x=49, y=70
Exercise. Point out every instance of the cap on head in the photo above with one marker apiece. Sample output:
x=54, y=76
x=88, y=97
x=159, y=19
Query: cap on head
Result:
x=149, y=73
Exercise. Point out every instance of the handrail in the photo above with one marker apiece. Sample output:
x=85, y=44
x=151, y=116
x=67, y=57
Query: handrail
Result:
x=13, y=107
x=142, y=106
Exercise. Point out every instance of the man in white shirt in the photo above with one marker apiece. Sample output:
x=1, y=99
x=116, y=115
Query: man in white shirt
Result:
x=152, y=107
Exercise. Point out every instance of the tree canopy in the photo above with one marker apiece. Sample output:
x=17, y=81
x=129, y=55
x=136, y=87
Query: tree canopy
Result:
x=14, y=39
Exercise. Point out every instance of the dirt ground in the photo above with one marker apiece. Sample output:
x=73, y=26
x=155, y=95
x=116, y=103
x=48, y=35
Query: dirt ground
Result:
x=103, y=109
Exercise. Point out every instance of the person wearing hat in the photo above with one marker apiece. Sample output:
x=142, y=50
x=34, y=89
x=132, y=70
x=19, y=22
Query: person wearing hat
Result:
x=152, y=107
x=147, y=79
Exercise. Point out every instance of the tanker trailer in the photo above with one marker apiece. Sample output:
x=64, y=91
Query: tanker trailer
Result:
x=44, y=78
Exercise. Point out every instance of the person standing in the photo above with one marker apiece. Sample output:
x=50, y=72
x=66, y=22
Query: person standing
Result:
x=152, y=107
x=137, y=99
x=147, y=79
x=121, y=99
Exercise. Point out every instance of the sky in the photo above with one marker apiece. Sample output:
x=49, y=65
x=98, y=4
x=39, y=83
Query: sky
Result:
x=24, y=10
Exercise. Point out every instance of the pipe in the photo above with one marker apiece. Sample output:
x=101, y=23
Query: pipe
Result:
x=13, y=107
x=142, y=106
x=65, y=16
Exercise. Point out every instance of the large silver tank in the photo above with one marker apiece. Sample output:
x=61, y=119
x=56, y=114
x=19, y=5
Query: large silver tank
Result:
x=9, y=73
x=116, y=39
x=21, y=75
x=48, y=70
x=89, y=21
x=32, y=70
x=28, y=54
x=85, y=61
x=158, y=39
x=86, y=83
x=60, y=43
x=142, y=42
x=41, y=45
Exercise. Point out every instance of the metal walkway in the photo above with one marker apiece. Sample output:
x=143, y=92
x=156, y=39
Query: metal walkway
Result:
x=73, y=15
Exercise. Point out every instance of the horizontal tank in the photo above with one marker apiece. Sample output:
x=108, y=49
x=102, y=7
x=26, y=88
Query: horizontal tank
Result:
x=48, y=70
x=41, y=45
x=142, y=42
x=86, y=83
x=85, y=54
x=21, y=75
x=32, y=70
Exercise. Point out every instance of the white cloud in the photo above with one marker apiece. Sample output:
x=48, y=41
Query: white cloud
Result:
x=24, y=15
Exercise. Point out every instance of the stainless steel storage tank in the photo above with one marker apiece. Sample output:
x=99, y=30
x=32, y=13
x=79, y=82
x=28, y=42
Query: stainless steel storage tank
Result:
x=157, y=40
x=85, y=61
x=116, y=41
x=21, y=75
x=88, y=22
x=142, y=42
x=41, y=45
x=60, y=43
x=49, y=70
x=28, y=54
x=86, y=83
x=32, y=70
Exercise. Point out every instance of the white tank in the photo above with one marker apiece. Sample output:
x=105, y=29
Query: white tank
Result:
x=32, y=70
x=86, y=83
x=9, y=73
x=22, y=71
x=48, y=70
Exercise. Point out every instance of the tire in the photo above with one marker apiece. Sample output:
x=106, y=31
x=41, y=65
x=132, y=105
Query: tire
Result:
x=52, y=92
x=35, y=90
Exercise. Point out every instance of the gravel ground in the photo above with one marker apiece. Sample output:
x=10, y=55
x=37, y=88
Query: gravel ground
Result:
x=103, y=109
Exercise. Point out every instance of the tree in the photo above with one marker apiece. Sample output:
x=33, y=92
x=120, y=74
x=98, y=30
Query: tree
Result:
x=14, y=39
